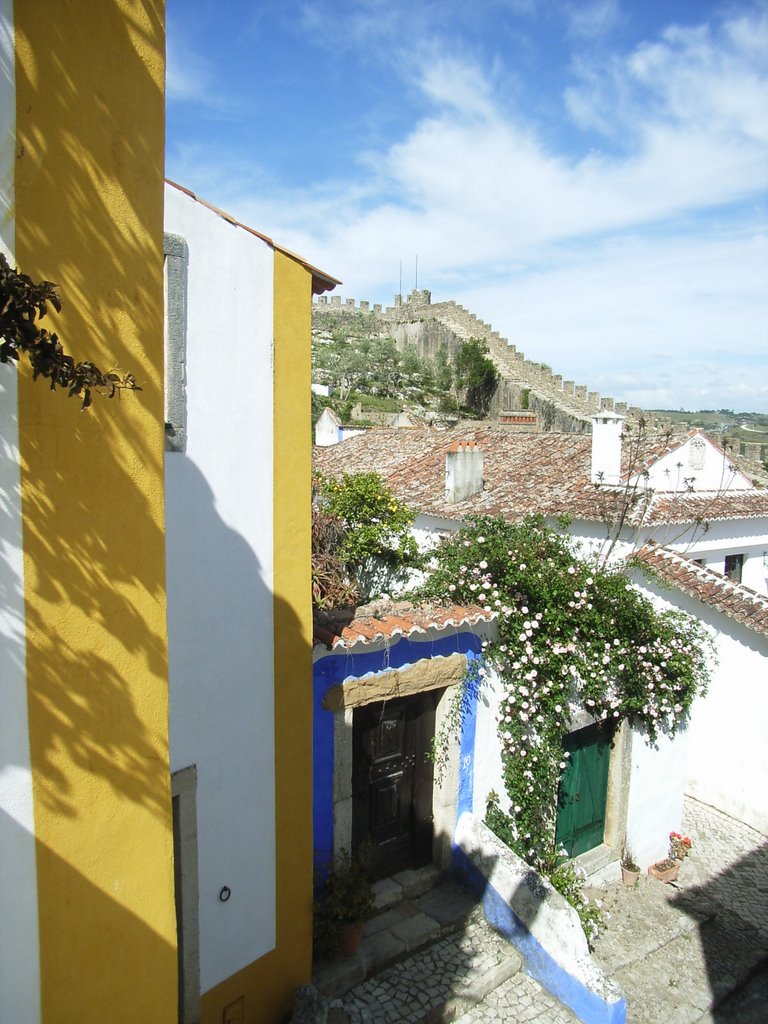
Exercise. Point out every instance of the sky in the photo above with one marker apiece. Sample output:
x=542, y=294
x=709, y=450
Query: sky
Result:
x=590, y=177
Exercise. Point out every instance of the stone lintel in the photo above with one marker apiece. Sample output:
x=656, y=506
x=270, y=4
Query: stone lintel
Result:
x=423, y=675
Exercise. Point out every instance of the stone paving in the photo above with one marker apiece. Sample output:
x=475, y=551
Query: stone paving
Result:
x=691, y=952
x=695, y=951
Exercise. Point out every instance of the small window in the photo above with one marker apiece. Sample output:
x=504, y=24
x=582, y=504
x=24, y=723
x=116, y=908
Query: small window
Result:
x=733, y=566
x=699, y=561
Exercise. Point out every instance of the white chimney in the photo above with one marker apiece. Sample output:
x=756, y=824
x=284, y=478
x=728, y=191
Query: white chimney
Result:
x=327, y=429
x=463, y=471
x=606, y=447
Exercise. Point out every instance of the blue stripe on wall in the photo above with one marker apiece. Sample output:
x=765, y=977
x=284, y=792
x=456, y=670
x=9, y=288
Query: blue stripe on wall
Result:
x=587, y=1005
x=334, y=669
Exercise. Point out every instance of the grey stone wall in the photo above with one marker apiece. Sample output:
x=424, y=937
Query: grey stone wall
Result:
x=415, y=319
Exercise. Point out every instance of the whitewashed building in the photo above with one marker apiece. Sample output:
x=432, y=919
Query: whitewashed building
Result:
x=682, y=494
x=237, y=485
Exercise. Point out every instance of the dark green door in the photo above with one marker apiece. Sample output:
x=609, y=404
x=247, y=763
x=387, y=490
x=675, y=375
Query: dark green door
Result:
x=583, y=789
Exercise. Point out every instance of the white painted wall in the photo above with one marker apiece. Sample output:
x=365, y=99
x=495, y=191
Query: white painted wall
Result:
x=727, y=753
x=19, y=945
x=708, y=467
x=327, y=428
x=220, y=569
x=656, y=789
x=488, y=773
x=748, y=536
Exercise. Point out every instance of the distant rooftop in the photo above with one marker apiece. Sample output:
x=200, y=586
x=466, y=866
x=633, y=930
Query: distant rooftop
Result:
x=733, y=599
x=546, y=473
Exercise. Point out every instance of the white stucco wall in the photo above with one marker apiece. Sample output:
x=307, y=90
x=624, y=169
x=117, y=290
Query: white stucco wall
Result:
x=219, y=558
x=327, y=428
x=748, y=536
x=19, y=945
x=488, y=776
x=702, y=463
x=656, y=790
x=727, y=753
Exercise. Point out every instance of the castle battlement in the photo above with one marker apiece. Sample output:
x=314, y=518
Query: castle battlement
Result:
x=564, y=403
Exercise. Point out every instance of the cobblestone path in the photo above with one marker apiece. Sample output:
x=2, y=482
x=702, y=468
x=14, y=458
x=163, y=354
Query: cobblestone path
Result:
x=696, y=951
x=471, y=976
x=692, y=952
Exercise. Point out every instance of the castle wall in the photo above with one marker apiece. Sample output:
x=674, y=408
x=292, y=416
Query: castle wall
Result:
x=561, y=405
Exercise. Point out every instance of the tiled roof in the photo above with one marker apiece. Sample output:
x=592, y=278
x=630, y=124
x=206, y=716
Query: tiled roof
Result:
x=733, y=599
x=701, y=506
x=344, y=628
x=546, y=473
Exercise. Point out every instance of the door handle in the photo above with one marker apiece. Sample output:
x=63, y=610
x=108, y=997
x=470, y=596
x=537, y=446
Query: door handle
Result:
x=578, y=797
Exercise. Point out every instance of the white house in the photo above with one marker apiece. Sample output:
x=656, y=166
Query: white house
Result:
x=726, y=751
x=237, y=483
x=683, y=494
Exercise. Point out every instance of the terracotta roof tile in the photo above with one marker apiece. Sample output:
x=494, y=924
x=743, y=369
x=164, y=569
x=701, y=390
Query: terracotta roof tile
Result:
x=546, y=473
x=343, y=628
x=733, y=599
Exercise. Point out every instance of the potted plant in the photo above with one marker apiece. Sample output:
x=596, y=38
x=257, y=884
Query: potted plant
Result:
x=345, y=901
x=668, y=869
x=630, y=872
x=679, y=846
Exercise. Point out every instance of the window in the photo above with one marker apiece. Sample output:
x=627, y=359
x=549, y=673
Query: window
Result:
x=733, y=566
x=176, y=256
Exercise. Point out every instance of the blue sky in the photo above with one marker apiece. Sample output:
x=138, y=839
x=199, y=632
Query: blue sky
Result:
x=589, y=177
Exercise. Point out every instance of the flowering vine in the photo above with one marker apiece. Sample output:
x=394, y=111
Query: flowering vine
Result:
x=571, y=636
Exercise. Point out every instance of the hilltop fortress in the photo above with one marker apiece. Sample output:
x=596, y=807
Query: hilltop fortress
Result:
x=558, y=404
x=525, y=385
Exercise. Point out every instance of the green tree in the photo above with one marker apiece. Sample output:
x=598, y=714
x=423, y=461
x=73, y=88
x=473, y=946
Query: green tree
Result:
x=375, y=544
x=443, y=372
x=476, y=375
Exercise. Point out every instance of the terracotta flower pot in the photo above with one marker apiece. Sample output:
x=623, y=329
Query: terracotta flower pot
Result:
x=664, y=871
x=351, y=938
x=629, y=877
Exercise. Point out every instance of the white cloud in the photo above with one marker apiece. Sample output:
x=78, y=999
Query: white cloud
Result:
x=592, y=18
x=633, y=317
x=630, y=252
x=188, y=75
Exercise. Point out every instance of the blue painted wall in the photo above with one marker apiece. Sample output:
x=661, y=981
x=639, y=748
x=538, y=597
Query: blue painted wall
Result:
x=333, y=669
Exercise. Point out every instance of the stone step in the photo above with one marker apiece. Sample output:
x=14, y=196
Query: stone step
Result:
x=413, y=913
x=438, y=983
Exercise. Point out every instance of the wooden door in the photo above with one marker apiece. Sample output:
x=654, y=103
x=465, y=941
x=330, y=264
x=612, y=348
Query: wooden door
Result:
x=392, y=782
x=583, y=789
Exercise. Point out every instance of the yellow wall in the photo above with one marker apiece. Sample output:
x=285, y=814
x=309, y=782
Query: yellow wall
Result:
x=89, y=216
x=267, y=985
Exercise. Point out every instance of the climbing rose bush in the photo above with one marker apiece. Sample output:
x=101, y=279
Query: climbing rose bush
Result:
x=571, y=636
